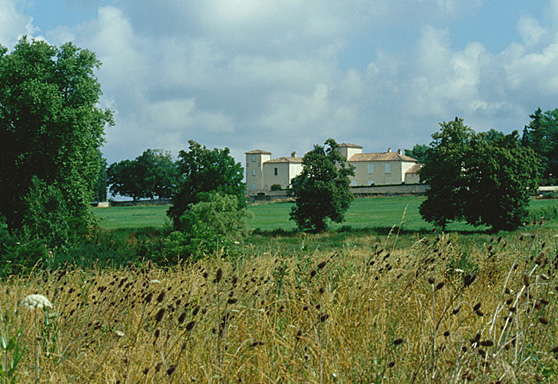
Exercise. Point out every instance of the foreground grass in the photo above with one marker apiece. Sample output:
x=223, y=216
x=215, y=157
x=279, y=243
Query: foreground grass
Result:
x=441, y=309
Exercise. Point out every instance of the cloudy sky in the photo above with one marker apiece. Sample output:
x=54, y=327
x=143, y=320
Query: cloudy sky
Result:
x=282, y=75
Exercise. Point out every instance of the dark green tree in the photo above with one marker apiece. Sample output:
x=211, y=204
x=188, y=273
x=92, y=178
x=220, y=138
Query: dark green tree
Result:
x=159, y=173
x=152, y=174
x=101, y=184
x=124, y=181
x=418, y=152
x=322, y=189
x=500, y=174
x=481, y=178
x=541, y=135
x=202, y=170
x=51, y=127
x=443, y=171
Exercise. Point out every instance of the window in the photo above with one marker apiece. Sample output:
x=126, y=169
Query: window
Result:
x=370, y=168
x=353, y=183
x=388, y=168
x=253, y=172
x=253, y=157
x=275, y=172
x=253, y=187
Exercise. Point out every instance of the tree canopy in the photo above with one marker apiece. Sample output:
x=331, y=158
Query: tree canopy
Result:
x=202, y=170
x=152, y=174
x=418, y=152
x=480, y=178
x=541, y=135
x=50, y=127
x=322, y=189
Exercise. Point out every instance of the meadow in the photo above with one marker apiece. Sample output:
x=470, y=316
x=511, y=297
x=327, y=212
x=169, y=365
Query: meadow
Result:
x=373, y=212
x=376, y=303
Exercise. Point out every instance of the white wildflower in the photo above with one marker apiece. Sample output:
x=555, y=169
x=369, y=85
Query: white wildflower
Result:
x=36, y=301
x=119, y=333
x=237, y=242
x=155, y=282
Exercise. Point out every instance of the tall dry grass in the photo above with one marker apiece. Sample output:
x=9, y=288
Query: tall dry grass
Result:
x=440, y=311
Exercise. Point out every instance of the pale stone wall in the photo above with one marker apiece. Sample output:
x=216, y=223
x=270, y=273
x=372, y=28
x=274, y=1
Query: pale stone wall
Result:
x=394, y=174
x=276, y=173
x=254, y=171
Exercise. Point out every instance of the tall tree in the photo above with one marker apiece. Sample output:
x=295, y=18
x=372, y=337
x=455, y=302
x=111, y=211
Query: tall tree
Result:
x=101, y=183
x=322, y=189
x=152, y=174
x=480, y=178
x=500, y=174
x=202, y=171
x=443, y=171
x=541, y=135
x=124, y=181
x=50, y=127
x=418, y=152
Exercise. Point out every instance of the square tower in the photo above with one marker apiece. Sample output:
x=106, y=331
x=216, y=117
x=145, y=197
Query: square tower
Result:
x=254, y=170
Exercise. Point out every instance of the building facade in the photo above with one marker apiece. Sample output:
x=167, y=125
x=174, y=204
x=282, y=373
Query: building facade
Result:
x=384, y=168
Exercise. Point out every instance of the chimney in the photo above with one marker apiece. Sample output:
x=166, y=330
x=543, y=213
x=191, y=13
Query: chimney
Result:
x=389, y=150
x=399, y=152
x=293, y=154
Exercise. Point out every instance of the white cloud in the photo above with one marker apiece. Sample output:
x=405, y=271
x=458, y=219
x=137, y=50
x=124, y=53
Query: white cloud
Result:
x=13, y=23
x=278, y=74
x=530, y=29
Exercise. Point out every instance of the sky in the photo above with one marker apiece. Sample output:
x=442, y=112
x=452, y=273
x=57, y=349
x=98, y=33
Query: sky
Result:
x=284, y=75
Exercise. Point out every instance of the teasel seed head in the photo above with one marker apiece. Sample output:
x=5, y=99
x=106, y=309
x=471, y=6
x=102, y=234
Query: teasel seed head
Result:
x=526, y=279
x=182, y=317
x=190, y=325
x=468, y=279
x=218, y=276
x=159, y=315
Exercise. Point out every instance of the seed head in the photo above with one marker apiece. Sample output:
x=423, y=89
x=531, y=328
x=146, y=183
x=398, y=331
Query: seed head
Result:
x=190, y=325
x=182, y=317
x=159, y=315
x=218, y=275
x=468, y=279
x=171, y=369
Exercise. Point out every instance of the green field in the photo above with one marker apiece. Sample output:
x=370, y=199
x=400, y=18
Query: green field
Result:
x=375, y=212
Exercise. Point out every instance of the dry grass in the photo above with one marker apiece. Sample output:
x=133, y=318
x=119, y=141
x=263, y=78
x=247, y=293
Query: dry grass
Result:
x=437, y=312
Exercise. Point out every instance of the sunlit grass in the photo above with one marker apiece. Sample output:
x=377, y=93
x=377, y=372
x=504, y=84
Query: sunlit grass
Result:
x=373, y=212
x=396, y=308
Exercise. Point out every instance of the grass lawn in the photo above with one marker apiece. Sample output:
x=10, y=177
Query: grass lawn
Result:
x=373, y=212
x=132, y=217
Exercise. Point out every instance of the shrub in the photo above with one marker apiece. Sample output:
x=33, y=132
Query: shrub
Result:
x=275, y=187
x=46, y=217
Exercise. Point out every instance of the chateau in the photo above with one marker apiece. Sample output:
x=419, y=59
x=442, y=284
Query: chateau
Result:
x=384, y=168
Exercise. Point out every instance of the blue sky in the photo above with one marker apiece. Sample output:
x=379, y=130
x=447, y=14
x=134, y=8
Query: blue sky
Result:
x=283, y=75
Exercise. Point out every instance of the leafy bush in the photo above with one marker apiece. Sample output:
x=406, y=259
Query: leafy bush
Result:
x=275, y=187
x=46, y=216
x=211, y=226
x=21, y=258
